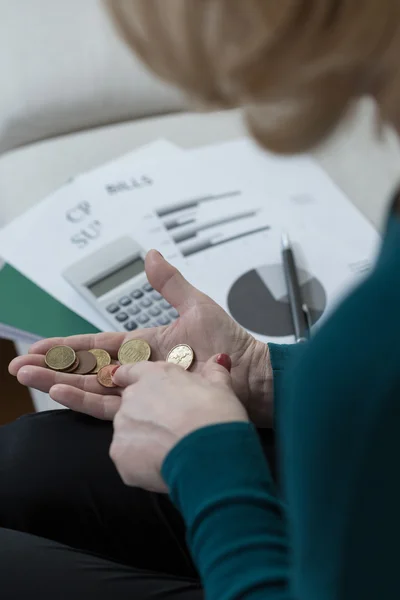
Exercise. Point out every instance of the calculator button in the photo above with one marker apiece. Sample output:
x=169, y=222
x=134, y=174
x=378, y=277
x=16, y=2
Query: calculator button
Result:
x=113, y=308
x=134, y=310
x=136, y=294
x=165, y=304
x=173, y=313
x=154, y=311
x=147, y=287
x=156, y=296
x=145, y=303
x=125, y=301
x=131, y=326
x=122, y=316
x=143, y=319
x=163, y=320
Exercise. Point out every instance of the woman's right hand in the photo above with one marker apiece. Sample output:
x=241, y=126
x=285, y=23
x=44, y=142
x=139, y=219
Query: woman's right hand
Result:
x=202, y=324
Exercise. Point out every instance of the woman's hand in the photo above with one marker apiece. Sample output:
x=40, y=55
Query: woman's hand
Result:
x=161, y=404
x=202, y=324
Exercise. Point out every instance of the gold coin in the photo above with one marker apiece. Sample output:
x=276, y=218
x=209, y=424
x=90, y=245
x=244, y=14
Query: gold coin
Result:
x=181, y=355
x=134, y=351
x=60, y=358
x=102, y=357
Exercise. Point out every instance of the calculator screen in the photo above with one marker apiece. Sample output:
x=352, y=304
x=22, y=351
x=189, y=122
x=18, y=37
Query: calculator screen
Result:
x=116, y=278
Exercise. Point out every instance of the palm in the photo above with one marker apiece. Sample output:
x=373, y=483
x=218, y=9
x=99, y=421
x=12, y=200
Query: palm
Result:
x=209, y=330
x=202, y=324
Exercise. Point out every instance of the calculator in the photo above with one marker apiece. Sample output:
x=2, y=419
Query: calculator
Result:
x=114, y=282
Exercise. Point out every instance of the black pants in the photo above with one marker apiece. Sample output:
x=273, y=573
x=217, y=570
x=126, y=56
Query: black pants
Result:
x=69, y=527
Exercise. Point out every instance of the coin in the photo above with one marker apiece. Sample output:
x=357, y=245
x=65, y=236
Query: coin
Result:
x=87, y=362
x=103, y=359
x=181, y=355
x=104, y=376
x=73, y=368
x=134, y=351
x=60, y=358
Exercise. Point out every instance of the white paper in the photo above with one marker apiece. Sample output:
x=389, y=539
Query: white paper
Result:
x=153, y=151
x=235, y=201
x=49, y=225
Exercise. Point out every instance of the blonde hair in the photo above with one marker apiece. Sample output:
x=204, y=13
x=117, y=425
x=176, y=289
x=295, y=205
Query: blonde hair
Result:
x=294, y=65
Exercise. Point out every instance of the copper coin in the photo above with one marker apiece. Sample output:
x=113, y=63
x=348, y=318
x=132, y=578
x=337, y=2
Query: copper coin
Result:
x=104, y=376
x=87, y=362
x=74, y=367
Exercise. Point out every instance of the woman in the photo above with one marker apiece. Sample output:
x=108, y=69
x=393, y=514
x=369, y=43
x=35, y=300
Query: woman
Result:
x=332, y=531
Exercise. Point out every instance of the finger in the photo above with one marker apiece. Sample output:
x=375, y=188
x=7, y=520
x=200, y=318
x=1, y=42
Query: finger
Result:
x=43, y=379
x=217, y=370
x=129, y=374
x=107, y=341
x=171, y=284
x=36, y=360
x=100, y=407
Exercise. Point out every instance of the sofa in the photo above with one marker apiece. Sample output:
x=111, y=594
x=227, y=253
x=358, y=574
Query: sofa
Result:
x=73, y=97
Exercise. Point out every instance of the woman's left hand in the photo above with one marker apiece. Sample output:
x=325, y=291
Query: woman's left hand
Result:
x=161, y=404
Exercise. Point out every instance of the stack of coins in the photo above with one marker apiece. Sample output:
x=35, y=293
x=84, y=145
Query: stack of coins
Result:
x=61, y=358
x=81, y=362
x=99, y=362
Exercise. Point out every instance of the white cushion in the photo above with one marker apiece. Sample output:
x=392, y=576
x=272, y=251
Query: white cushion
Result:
x=365, y=166
x=63, y=68
x=28, y=174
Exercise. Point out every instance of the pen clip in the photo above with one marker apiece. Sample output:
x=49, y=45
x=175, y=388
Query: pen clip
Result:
x=307, y=316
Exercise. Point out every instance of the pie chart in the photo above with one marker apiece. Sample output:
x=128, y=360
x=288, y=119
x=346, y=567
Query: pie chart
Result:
x=258, y=300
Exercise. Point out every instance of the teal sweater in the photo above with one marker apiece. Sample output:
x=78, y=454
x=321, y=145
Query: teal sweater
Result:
x=333, y=531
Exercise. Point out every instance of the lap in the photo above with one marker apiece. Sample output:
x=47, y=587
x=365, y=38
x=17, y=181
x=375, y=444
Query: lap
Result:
x=58, y=482
x=32, y=567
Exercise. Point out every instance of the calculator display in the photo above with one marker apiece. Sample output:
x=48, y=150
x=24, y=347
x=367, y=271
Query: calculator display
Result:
x=116, y=278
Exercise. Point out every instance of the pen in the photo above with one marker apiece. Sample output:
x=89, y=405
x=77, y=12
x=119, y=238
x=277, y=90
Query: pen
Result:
x=298, y=309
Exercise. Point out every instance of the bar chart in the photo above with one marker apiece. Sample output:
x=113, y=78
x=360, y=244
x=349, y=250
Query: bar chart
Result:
x=198, y=224
x=171, y=209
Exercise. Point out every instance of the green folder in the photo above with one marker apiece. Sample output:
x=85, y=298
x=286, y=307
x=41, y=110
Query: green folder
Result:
x=28, y=313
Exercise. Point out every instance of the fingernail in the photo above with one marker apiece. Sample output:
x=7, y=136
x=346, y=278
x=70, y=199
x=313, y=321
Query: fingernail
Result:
x=158, y=252
x=225, y=361
x=115, y=370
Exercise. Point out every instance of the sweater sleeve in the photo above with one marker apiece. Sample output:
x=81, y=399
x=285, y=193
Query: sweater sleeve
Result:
x=283, y=357
x=220, y=481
